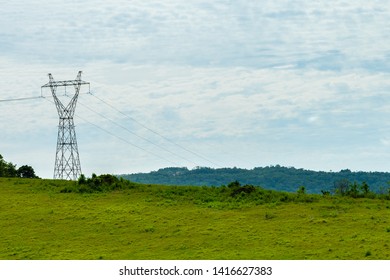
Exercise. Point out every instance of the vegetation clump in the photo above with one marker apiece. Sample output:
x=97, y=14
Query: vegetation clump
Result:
x=236, y=188
x=101, y=183
x=232, y=196
x=355, y=190
x=8, y=169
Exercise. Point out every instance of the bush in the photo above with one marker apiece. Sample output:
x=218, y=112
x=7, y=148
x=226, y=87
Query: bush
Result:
x=101, y=183
x=354, y=190
x=301, y=190
x=237, y=189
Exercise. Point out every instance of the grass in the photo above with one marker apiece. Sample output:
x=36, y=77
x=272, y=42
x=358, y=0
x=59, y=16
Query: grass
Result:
x=38, y=221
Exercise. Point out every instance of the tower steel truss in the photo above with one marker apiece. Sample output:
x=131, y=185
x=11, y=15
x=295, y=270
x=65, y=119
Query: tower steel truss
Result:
x=67, y=162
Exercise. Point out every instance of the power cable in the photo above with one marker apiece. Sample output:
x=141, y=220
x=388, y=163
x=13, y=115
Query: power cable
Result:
x=126, y=141
x=19, y=99
x=141, y=137
x=158, y=134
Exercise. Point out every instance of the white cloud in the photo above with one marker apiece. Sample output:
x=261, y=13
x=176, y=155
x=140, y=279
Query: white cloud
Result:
x=307, y=34
x=246, y=83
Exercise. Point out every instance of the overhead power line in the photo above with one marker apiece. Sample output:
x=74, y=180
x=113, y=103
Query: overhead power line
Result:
x=19, y=99
x=127, y=141
x=158, y=134
x=141, y=137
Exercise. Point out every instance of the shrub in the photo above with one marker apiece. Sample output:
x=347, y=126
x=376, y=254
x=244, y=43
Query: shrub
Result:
x=82, y=179
x=269, y=216
x=101, y=183
x=237, y=189
x=325, y=193
x=301, y=190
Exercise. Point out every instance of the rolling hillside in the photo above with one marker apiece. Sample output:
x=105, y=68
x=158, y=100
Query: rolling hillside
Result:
x=107, y=218
x=271, y=177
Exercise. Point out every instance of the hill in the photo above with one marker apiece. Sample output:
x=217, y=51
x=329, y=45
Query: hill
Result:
x=270, y=177
x=107, y=218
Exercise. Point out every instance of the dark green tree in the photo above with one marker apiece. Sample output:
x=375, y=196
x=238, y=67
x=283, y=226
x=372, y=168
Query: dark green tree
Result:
x=341, y=187
x=7, y=169
x=301, y=190
x=365, y=188
x=353, y=190
x=26, y=171
x=82, y=180
x=2, y=166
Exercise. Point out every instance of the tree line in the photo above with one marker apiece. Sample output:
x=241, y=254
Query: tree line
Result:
x=270, y=177
x=8, y=169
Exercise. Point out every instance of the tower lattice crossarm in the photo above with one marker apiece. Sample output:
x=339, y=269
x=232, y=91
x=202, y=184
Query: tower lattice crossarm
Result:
x=67, y=161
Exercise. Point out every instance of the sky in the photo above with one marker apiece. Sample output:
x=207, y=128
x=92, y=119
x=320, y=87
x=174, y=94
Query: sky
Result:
x=199, y=83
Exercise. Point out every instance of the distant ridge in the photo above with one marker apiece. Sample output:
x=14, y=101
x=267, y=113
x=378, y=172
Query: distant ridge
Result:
x=270, y=177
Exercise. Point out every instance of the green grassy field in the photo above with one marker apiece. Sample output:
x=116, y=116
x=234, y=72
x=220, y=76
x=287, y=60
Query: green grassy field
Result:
x=38, y=221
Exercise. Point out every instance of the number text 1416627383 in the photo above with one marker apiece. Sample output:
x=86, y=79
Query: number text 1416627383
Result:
x=245, y=270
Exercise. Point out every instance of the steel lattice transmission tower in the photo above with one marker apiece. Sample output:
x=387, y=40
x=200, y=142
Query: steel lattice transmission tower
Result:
x=67, y=163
